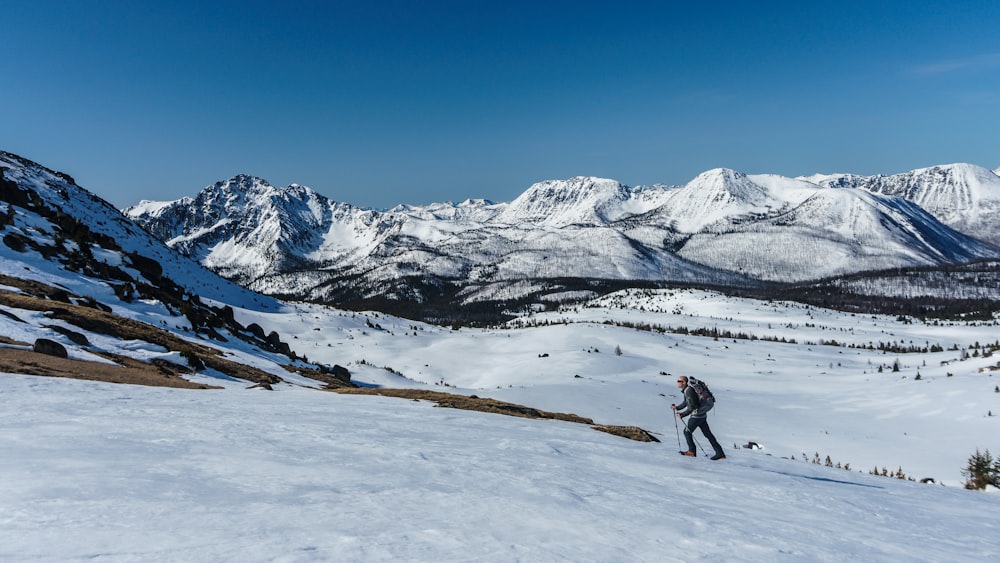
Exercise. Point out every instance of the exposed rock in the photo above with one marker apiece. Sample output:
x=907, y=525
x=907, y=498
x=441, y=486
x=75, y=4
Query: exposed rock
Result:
x=256, y=330
x=50, y=348
x=341, y=373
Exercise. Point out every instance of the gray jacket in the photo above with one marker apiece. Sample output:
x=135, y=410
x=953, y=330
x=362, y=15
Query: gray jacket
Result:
x=692, y=405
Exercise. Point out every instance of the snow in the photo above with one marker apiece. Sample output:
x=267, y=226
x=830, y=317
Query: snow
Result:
x=117, y=473
x=294, y=241
x=560, y=203
x=95, y=471
x=963, y=196
x=114, y=473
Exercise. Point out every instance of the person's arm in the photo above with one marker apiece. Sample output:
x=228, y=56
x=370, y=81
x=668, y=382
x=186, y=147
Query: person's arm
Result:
x=690, y=402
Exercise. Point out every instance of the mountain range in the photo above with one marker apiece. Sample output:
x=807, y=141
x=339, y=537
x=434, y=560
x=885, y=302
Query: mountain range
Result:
x=335, y=476
x=723, y=228
x=109, y=301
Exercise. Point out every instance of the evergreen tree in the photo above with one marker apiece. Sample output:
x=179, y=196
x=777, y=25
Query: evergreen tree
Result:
x=982, y=470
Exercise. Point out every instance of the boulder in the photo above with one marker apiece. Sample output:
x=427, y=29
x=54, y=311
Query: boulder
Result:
x=341, y=374
x=50, y=348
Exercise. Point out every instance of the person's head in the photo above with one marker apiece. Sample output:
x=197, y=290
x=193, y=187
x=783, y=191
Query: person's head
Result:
x=682, y=381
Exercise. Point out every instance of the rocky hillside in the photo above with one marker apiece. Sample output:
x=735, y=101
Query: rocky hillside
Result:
x=85, y=292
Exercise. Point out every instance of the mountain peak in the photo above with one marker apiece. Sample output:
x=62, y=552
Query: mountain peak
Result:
x=242, y=184
x=722, y=186
x=961, y=195
x=558, y=203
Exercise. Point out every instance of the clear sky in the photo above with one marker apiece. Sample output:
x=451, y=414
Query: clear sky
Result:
x=377, y=103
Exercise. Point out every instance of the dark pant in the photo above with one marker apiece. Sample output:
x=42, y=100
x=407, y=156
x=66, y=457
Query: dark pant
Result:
x=701, y=422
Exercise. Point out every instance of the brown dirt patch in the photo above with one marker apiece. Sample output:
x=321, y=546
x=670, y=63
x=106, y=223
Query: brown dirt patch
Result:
x=630, y=432
x=473, y=403
x=96, y=320
x=465, y=402
x=128, y=371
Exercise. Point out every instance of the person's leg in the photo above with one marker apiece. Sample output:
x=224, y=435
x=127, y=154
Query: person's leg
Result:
x=711, y=437
x=688, y=427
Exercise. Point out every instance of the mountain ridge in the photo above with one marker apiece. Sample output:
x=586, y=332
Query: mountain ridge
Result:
x=723, y=227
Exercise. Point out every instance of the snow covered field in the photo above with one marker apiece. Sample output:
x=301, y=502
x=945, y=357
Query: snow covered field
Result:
x=118, y=473
x=93, y=471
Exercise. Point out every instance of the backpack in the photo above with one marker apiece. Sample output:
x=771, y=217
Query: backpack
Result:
x=705, y=396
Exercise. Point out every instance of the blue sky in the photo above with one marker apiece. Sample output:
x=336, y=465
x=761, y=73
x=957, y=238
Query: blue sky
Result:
x=379, y=103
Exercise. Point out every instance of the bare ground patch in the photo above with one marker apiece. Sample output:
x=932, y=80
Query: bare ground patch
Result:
x=128, y=370
x=95, y=319
x=474, y=403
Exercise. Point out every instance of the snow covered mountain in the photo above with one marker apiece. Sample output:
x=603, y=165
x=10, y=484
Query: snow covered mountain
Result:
x=166, y=469
x=722, y=228
x=778, y=228
x=963, y=196
x=78, y=221
x=577, y=201
x=108, y=298
x=244, y=228
x=273, y=241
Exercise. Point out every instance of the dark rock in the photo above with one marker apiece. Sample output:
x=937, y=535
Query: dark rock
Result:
x=150, y=269
x=50, y=348
x=256, y=330
x=341, y=374
x=274, y=339
x=15, y=242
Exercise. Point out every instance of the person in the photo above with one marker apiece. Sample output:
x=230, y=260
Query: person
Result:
x=699, y=419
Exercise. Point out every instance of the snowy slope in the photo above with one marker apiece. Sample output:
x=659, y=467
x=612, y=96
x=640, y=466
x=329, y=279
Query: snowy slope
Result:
x=963, y=196
x=196, y=476
x=60, y=195
x=833, y=232
x=776, y=228
x=115, y=472
x=559, y=203
x=719, y=227
x=723, y=195
x=299, y=474
x=244, y=228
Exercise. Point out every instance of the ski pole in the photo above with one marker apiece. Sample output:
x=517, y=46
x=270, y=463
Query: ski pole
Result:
x=676, y=430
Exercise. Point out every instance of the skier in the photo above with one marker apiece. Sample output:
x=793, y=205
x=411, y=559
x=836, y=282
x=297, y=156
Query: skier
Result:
x=699, y=418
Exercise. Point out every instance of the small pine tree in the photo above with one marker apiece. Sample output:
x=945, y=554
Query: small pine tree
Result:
x=618, y=350
x=895, y=366
x=981, y=471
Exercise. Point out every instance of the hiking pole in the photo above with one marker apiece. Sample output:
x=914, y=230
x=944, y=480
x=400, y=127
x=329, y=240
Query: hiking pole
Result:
x=676, y=430
x=697, y=443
